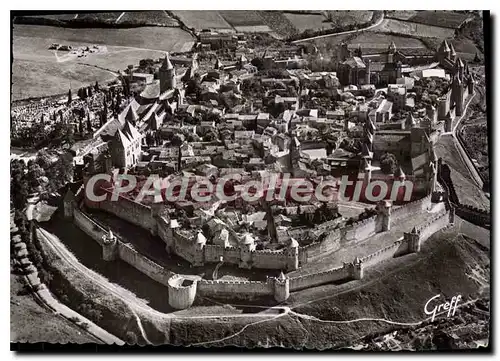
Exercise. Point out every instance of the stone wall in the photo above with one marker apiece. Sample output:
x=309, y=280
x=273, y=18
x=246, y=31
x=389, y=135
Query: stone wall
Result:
x=320, y=278
x=398, y=248
x=360, y=230
x=213, y=253
x=143, y=264
x=311, y=251
x=474, y=215
x=235, y=289
x=131, y=211
x=411, y=208
x=434, y=224
x=89, y=226
x=270, y=259
x=182, y=294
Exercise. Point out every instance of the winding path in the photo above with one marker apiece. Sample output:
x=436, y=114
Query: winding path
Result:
x=474, y=175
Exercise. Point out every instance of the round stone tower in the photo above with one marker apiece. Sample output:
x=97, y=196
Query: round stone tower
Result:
x=109, y=249
x=247, y=246
x=357, y=269
x=281, y=288
x=384, y=215
x=181, y=292
x=167, y=75
x=292, y=261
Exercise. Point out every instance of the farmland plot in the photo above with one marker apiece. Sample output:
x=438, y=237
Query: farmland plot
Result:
x=415, y=29
x=278, y=22
x=157, y=38
x=202, y=19
x=371, y=39
x=348, y=17
x=308, y=22
x=401, y=14
x=107, y=18
x=245, y=21
x=158, y=17
x=446, y=19
x=38, y=71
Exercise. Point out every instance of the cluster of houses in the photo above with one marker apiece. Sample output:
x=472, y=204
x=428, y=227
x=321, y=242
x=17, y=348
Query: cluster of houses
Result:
x=211, y=118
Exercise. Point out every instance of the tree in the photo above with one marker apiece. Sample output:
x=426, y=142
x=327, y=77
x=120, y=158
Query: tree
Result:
x=388, y=163
x=34, y=175
x=258, y=63
x=131, y=338
x=89, y=124
x=19, y=186
x=149, y=139
x=80, y=127
x=193, y=86
x=96, y=86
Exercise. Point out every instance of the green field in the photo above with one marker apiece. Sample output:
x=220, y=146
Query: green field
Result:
x=308, y=21
x=202, y=19
x=415, y=29
x=156, y=38
x=30, y=322
x=37, y=71
x=448, y=19
x=242, y=17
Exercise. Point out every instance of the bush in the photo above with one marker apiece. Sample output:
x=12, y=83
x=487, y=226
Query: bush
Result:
x=131, y=338
x=388, y=163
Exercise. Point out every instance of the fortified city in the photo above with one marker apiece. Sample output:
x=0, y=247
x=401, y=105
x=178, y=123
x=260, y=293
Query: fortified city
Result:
x=299, y=179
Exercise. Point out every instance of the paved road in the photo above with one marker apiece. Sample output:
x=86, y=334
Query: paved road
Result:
x=343, y=32
x=465, y=157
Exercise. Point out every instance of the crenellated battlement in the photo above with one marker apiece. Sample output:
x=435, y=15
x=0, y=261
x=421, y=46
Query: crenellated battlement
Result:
x=183, y=289
x=433, y=219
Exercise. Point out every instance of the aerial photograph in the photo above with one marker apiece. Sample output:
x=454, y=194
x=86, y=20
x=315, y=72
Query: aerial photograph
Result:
x=285, y=179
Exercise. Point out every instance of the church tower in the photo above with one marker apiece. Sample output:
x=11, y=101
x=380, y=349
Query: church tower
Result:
x=167, y=75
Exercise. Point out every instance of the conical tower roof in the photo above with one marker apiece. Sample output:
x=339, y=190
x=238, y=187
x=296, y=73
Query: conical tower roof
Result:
x=392, y=46
x=281, y=276
x=218, y=64
x=444, y=47
x=456, y=80
x=167, y=64
x=131, y=115
x=400, y=173
x=459, y=63
x=452, y=50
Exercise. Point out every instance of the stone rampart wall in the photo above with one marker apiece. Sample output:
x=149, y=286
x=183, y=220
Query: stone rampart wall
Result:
x=434, y=224
x=316, y=279
x=474, y=215
x=235, y=289
x=89, y=226
x=398, y=248
x=131, y=211
x=410, y=209
x=359, y=230
x=270, y=259
x=151, y=269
